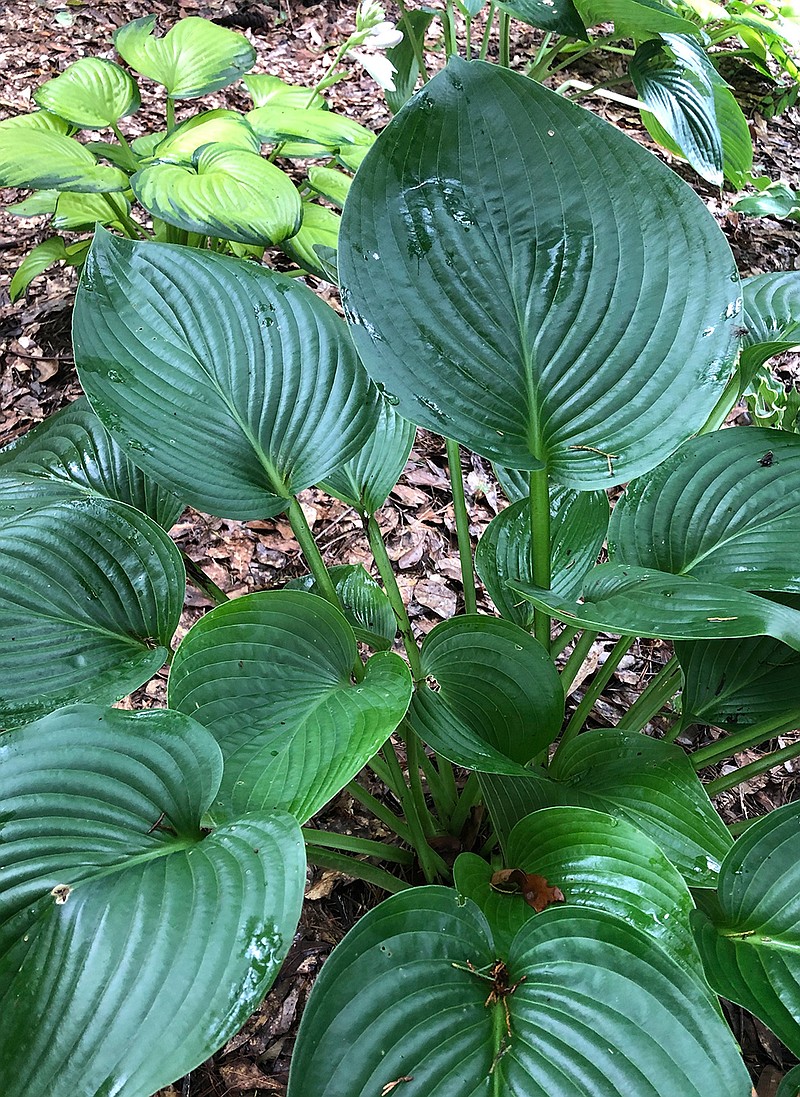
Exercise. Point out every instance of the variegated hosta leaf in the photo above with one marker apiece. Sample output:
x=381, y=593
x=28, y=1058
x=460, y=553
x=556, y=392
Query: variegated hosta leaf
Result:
x=317, y=236
x=47, y=160
x=91, y=93
x=217, y=127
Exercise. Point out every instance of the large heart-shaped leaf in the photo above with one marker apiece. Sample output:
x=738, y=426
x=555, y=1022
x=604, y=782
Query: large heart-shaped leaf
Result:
x=596, y=861
x=593, y=1007
x=498, y=326
x=218, y=127
x=364, y=603
x=772, y=318
x=71, y=456
x=750, y=941
x=228, y=192
x=578, y=524
x=193, y=58
x=634, y=601
x=91, y=93
x=45, y=160
x=235, y=407
x=492, y=699
x=270, y=675
x=724, y=508
x=649, y=783
x=131, y=947
x=364, y=482
x=92, y=623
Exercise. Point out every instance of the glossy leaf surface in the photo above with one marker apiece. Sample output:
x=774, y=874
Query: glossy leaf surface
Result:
x=364, y=603
x=91, y=93
x=492, y=699
x=70, y=456
x=234, y=408
x=47, y=160
x=771, y=316
x=122, y=926
x=228, y=192
x=751, y=944
x=269, y=675
x=193, y=58
x=92, y=623
x=570, y=363
x=601, y=1010
x=561, y=16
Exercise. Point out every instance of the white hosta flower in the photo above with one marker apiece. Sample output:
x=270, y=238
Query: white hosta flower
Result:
x=378, y=66
x=383, y=36
x=369, y=14
x=374, y=32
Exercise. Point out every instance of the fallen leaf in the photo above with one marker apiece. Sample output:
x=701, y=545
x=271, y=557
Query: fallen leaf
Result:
x=533, y=888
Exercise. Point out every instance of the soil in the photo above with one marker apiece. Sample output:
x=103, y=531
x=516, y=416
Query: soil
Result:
x=37, y=377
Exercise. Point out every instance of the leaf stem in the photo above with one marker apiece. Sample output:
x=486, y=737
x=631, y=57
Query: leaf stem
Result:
x=746, y=739
x=443, y=800
x=724, y=405
x=564, y=638
x=349, y=843
x=419, y=819
x=470, y=796
x=576, y=658
x=380, y=811
x=170, y=114
x=357, y=870
x=386, y=572
x=505, y=35
x=462, y=526
x=593, y=693
x=755, y=769
x=449, y=24
x=196, y=575
x=487, y=31
x=120, y=136
x=540, y=548
x=661, y=687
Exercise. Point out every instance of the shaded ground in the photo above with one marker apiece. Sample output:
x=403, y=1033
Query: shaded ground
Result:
x=38, y=377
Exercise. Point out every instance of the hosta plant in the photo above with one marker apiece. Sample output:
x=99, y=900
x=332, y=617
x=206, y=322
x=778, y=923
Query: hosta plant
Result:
x=523, y=279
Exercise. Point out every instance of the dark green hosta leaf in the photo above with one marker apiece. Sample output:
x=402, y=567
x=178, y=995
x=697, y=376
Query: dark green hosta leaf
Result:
x=81, y=212
x=318, y=234
x=131, y=946
x=790, y=1084
x=558, y=16
x=597, y=861
x=330, y=183
x=228, y=192
x=71, y=456
x=217, y=127
x=271, y=90
x=234, y=407
x=402, y=56
x=579, y=521
x=635, y=601
x=492, y=699
x=649, y=783
x=750, y=941
x=269, y=675
x=772, y=318
x=91, y=93
x=734, y=683
x=365, y=481
x=193, y=58
x=90, y=622
x=514, y=482
x=602, y=1010
x=45, y=160
x=634, y=17
x=275, y=124
x=492, y=324
x=365, y=606
x=725, y=508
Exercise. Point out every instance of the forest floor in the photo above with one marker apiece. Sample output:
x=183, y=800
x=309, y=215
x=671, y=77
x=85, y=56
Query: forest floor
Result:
x=37, y=377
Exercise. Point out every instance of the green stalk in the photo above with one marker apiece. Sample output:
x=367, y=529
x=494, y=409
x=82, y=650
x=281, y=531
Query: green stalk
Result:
x=576, y=658
x=419, y=820
x=488, y=30
x=348, y=843
x=540, y=549
x=120, y=136
x=468, y=44
x=134, y=231
x=599, y=683
x=741, y=825
x=449, y=24
x=170, y=114
x=380, y=811
x=462, y=526
x=545, y=61
x=416, y=45
x=755, y=769
x=443, y=801
x=387, y=770
x=661, y=687
x=196, y=576
x=505, y=36
x=386, y=572
x=533, y=67
x=470, y=796
x=746, y=739
x=564, y=638
x=357, y=870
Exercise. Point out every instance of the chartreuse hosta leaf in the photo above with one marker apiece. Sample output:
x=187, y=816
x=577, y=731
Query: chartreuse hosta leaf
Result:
x=750, y=938
x=193, y=58
x=594, y=1006
x=734, y=683
x=497, y=326
x=47, y=160
x=37, y=120
x=270, y=675
x=275, y=124
x=268, y=90
x=364, y=482
x=234, y=407
x=71, y=456
x=221, y=127
x=578, y=524
x=37, y=260
x=725, y=508
x=596, y=861
x=91, y=93
x=228, y=192
x=38, y=204
x=81, y=212
x=121, y=926
x=331, y=184
x=772, y=318
x=492, y=699
x=364, y=604
x=92, y=623
x=649, y=783
x=316, y=238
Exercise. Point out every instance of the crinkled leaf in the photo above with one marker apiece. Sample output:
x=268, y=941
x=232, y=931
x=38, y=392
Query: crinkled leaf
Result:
x=90, y=623
x=45, y=160
x=234, y=407
x=772, y=318
x=217, y=127
x=71, y=456
x=193, y=58
x=601, y=1010
x=750, y=940
x=571, y=362
x=228, y=192
x=91, y=93
x=492, y=699
x=270, y=675
x=364, y=604
x=122, y=926
x=319, y=229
